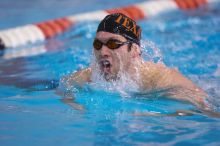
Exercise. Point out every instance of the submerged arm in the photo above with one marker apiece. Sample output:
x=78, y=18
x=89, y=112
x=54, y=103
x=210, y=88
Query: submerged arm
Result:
x=69, y=99
x=69, y=83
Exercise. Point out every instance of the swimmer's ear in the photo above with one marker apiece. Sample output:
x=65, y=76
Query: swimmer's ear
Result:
x=135, y=50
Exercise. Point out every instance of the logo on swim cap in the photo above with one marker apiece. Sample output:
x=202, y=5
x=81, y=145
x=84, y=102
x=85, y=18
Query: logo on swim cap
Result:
x=120, y=24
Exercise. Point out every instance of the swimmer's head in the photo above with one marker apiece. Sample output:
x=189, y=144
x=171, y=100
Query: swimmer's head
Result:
x=116, y=45
x=122, y=25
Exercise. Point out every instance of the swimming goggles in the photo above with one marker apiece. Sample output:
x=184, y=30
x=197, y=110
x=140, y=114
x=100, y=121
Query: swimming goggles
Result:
x=111, y=44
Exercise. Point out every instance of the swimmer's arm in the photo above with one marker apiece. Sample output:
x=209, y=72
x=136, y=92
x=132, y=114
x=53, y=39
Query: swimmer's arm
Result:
x=67, y=83
x=182, y=88
x=78, y=78
x=68, y=98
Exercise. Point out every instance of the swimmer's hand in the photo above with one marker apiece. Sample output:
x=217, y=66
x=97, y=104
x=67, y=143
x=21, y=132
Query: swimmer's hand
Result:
x=65, y=91
x=70, y=101
x=68, y=98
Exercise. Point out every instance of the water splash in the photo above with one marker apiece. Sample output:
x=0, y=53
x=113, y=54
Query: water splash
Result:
x=150, y=52
x=124, y=84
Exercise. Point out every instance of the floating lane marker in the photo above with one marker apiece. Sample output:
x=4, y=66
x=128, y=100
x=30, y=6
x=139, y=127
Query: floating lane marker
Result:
x=21, y=36
x=24, y=52
x=132, y=11
x=92, y=16
x=190, y=4
x=32, y=33
x=54, y=27
x=153, y=8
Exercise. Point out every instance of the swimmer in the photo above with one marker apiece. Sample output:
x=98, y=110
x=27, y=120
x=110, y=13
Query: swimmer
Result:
x=117, y=50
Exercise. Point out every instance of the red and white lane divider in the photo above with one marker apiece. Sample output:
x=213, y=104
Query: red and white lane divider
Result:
x=33, y=33
x=24, y=52
x=48, y=46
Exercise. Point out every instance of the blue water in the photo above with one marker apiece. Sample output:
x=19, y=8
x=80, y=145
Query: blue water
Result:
x=32, y=114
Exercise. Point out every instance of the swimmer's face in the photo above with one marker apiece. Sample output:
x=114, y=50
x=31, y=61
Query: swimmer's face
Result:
x=111, y=61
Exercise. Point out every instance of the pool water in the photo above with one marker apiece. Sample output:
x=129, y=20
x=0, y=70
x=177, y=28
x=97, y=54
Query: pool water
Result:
x=32, y=114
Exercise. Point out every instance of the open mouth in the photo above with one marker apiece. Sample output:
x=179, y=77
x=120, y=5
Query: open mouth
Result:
x=105, y=66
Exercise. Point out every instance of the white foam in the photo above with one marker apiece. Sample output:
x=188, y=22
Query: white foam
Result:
x=150, y=52
x=124, y=85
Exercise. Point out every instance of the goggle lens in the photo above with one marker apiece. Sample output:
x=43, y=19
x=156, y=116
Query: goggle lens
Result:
x=111, y=44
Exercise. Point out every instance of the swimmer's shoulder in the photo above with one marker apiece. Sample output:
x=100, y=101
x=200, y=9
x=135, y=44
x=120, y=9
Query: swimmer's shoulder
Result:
x=161, y=76
x=152, y=65
x=151, y=68
x=165, y=76
x=151, y=73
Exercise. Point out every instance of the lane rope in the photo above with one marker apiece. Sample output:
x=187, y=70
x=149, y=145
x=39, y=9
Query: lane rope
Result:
x=32, y=33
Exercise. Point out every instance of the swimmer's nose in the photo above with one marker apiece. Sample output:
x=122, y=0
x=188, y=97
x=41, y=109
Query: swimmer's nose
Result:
x=104, y=52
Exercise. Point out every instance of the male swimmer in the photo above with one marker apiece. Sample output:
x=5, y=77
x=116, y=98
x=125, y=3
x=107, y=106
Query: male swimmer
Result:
x=117, y=51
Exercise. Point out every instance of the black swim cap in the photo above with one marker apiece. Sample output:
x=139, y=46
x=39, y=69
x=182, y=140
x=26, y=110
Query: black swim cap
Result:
x=120, y=24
